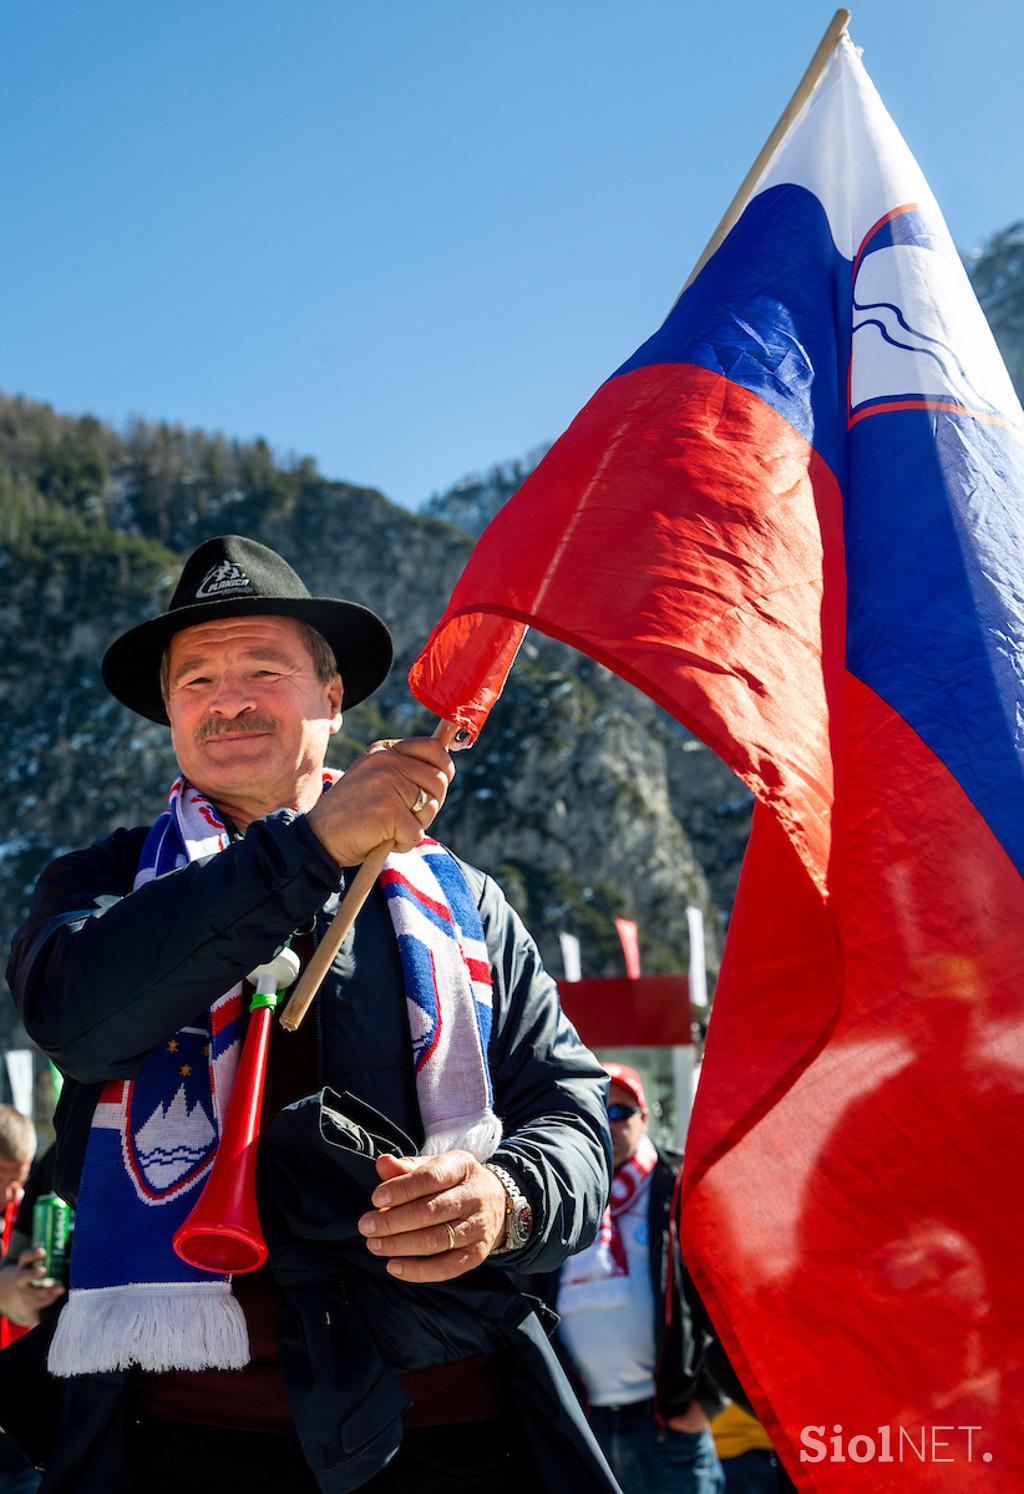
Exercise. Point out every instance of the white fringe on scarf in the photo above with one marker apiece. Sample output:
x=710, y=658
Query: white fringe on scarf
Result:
x=163, y=1326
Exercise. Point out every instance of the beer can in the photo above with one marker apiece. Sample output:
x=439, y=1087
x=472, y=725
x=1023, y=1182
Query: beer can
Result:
x=52, y=1224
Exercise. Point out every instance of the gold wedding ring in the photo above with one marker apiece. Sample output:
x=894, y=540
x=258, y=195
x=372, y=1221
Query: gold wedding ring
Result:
x=451, y=1237
x=422, y=800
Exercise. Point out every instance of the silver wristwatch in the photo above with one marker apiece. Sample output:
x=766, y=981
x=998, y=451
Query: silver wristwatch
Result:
x=518, y=1212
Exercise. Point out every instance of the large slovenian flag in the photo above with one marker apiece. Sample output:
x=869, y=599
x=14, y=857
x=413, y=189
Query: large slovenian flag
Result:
x=794, y=518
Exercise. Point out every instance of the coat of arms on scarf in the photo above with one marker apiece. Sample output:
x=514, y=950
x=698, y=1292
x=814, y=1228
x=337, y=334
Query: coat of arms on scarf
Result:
x=154, y=1138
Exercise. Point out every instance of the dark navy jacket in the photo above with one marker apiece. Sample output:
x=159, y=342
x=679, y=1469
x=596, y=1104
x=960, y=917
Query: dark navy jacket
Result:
x=101, y=978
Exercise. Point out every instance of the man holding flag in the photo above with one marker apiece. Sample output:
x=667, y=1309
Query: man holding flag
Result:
x=436, y=1122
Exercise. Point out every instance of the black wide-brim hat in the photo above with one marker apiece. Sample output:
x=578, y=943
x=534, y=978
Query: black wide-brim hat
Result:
x=236, y=577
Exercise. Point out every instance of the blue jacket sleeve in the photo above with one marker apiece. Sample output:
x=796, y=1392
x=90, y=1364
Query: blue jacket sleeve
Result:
x=549, y=1091
x=103, y=974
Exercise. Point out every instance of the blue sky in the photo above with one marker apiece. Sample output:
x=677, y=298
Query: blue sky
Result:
x=410, y=237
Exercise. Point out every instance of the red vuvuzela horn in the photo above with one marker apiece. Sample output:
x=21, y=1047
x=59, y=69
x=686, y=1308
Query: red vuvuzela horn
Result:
x=222, y=1233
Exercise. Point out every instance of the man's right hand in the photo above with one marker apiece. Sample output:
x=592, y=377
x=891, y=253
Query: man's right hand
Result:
x=19, y=1300
x=373, y=802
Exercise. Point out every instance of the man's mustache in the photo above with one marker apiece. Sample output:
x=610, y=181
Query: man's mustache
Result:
x=218, y=726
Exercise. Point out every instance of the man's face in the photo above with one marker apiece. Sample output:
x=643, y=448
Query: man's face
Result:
x=626, y=1134
x=12, y=1179
x=250, y=721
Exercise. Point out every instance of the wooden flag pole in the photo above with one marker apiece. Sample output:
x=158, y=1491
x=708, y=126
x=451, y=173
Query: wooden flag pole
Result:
x=808, y=83
x=301, y=999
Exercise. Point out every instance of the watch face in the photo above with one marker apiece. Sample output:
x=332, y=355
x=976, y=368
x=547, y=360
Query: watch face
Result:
x=522, y=1218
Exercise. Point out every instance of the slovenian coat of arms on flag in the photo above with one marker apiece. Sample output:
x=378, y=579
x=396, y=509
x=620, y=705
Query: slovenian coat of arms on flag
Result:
x=794, y=517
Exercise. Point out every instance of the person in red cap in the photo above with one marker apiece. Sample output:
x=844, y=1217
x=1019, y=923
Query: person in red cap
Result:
x=638, y=1364
x=628, y=1131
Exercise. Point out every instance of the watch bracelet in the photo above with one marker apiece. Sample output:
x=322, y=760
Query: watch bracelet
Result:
x=515, y=1198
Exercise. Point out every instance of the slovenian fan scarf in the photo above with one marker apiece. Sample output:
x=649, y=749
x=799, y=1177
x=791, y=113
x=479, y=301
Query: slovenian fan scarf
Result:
x=598, y=1277
x=153, y=1139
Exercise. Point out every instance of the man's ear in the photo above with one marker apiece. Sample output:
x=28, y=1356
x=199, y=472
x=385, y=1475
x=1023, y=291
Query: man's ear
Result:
x=335, y=694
